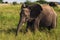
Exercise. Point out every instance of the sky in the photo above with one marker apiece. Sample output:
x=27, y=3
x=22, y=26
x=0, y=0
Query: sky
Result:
x=10, y=1
x=53, y=0
x=30, y=0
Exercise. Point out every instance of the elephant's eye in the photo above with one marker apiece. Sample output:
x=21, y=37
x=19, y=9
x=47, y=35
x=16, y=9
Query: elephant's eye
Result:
x=26, y=11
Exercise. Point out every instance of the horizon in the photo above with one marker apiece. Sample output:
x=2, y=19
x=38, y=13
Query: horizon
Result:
x=18, y=1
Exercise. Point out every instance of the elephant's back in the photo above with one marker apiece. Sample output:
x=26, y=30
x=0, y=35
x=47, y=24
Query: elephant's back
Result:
x=47, y=10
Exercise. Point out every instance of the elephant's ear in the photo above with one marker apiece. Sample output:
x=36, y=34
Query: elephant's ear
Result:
x=35, y=10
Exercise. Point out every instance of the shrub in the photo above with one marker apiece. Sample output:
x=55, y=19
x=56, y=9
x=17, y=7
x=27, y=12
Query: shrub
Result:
x=6, y=2
x=14, y=3
x=53, y=4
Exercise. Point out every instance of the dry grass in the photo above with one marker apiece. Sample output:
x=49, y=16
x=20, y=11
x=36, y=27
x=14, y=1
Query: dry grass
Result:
x=9, y=16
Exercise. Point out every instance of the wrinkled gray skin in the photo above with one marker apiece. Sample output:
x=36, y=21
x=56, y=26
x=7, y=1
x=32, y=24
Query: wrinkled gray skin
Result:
x=36, y=15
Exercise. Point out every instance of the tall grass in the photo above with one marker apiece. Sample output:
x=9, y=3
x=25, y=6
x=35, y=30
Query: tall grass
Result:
x=9, y=17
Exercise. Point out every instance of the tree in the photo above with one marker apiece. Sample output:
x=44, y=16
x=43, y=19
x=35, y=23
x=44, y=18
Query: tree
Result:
x=42, y=1
x=14, y=3
x=0, y=1
x=28, y=2
x=53, y=4
x=6, y=2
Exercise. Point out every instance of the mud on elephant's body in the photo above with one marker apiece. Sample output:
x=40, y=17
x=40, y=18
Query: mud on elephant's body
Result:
x=37, y=14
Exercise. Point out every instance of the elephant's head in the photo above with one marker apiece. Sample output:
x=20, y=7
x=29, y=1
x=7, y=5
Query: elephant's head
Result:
x=25, y=13
x=29, y=11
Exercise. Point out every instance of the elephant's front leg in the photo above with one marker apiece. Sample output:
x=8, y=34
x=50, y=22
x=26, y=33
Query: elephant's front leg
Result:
x=30, y=25
x=37, y=22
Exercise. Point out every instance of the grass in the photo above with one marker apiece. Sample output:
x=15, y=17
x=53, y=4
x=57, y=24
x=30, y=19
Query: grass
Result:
x=9, y=17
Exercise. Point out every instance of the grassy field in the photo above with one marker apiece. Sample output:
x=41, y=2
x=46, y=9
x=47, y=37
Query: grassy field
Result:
x=9, y=17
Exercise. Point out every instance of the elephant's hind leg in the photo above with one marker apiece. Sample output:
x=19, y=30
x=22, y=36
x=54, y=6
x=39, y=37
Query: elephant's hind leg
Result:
x=54, y=22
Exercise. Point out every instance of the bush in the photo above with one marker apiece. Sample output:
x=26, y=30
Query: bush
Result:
x=27, y=2
x=6, y=2
x=53, y=4
x=14, y=3
x=42, y=1
x=0, y=1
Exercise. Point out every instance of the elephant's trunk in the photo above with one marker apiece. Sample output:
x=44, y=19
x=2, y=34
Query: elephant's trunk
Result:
x=21, y=21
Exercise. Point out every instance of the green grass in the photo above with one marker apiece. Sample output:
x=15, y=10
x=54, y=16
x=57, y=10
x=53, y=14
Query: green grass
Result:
x=9, y=17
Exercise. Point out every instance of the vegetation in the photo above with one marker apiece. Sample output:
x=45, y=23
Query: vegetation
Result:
x=9, y=17
x=14, y=3
x=6, y=2
x=38, y=1
x=42, y=1
x=0, y=1
x=53, y=4
x=28, y=2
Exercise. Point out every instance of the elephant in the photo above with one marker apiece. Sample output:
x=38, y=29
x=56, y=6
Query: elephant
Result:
x=36, y=15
